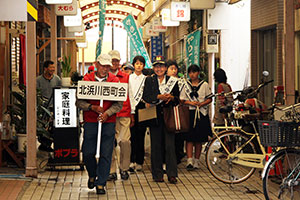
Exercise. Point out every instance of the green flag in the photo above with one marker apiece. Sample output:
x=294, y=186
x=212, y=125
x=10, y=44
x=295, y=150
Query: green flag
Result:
x=193, y=48
x=136, y=39
x=102, y=10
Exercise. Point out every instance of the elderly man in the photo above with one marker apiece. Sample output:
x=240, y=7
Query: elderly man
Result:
x=122, y=124
x=92, y=113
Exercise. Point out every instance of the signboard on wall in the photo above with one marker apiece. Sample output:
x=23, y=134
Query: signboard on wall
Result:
x=156, y=46
x=75, y=20
x=212, y=43
x=166, y=18
x=65, y=111
x=66, y=9
x=157, y=25
x=149, y=30
x=180, y=11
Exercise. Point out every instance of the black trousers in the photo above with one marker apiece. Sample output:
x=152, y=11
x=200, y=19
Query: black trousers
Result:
x=162, y=143
x=137, y=142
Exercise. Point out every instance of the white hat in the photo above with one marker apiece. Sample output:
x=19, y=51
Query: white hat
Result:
x=104, y=59
x=115, y=54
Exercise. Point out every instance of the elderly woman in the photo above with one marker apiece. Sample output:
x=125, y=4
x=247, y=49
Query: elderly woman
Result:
x=161, y=91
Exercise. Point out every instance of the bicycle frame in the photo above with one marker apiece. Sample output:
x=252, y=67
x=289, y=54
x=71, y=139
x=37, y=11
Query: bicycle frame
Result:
x=254, y=160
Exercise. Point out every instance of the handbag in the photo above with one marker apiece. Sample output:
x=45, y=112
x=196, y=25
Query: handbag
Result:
x=177, y=118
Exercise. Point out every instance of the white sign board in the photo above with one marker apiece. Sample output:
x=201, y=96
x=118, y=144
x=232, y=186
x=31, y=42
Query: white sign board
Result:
x=180, y=11
x=13, y=10
x=102, y=90
x=76, y=28
x=75, y=20
x=203, y=4
x=157, y=25
x=149, y=30
x=66, y=9
x=212, y=43
x=65, y=111
x=166, y=18
x=58, y=1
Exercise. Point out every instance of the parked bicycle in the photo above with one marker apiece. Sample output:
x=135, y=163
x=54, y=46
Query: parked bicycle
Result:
x=233, y=155
x=281, y=175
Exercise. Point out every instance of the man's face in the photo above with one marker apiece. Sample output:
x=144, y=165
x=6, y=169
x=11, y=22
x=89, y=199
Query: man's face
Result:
x=115, y=64
x=50, y=69
x=102, y=70
x=172, y=71
x=160, y=69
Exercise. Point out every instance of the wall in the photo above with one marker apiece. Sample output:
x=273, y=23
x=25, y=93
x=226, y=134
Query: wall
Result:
x=263, y=13
x=235, y=46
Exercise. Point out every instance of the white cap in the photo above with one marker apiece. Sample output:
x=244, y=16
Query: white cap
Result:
x=104, y=59
x=115, y=54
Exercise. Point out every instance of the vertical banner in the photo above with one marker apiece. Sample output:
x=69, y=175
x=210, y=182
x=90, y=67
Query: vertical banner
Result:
x=136, y=39
x=156, y=46
x=133, y=52
x=193, y=48
x=102, y=10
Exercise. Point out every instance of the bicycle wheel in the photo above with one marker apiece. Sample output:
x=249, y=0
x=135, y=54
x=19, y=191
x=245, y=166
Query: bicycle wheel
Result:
x=280, y=174
x=222, y=168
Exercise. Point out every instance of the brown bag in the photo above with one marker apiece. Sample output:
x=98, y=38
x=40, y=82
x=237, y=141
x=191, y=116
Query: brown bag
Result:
x=177, y=118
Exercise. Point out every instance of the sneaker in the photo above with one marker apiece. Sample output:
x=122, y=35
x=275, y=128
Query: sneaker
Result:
x=124, y=175
x=139, y=168
x=100, y=189
x=91, y=183
x=197, y=164
x=189, y=164
x=112, y=177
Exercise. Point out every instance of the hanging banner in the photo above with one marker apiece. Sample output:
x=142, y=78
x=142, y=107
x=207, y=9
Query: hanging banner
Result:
x=193, y=48
x=156, y=47
x=102, y=10
x=166, y=18
x=136, y=39
x=133, y=52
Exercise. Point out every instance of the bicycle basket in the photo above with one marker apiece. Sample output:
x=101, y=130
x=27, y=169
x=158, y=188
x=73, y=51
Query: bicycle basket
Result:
x=278, y=134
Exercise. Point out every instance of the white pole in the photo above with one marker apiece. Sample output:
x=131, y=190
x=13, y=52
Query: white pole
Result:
x=99, y=135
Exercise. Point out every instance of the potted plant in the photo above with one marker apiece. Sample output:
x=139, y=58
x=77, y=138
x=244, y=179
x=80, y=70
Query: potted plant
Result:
x=65, y=69
x=17, y=112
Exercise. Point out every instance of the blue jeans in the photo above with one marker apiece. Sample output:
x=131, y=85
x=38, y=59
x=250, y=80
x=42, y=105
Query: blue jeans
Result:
x=101, y=169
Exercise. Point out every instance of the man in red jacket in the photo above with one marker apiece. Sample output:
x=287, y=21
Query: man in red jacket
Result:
x=92, y=113
x=122, y=124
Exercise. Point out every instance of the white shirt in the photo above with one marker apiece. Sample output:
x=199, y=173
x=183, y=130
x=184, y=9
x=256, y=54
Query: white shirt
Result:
x=203, y=91
x=135, y=82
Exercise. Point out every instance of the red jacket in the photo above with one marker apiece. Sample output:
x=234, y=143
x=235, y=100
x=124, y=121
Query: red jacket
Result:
x=91, y=116
x=126, y=110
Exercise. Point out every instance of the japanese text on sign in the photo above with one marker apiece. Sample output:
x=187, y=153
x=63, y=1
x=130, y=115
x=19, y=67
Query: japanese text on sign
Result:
x=102, y=90
x=66, y=9
x=66, y=153
x=180, y=11
x=65, y=109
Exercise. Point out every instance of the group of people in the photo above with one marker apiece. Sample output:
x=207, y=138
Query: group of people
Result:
x=120, y=120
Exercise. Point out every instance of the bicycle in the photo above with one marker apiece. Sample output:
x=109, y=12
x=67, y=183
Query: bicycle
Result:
x=233, y=154
x=281, y=175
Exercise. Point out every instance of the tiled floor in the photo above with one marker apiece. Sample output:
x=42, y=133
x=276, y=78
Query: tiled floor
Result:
x=198, y=184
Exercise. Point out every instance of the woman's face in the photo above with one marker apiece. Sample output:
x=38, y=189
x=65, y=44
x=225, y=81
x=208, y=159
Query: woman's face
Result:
x=138, y=66
x=160, y=70
x=194, y=75
x=172, y=71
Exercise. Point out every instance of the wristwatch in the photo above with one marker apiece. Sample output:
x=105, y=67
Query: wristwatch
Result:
x=90, y=107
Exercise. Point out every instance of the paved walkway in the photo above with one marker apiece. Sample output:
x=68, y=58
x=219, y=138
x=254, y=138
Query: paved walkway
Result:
x=198, y=184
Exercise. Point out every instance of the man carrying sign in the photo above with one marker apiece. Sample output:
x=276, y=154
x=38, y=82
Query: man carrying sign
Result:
x=92, y=113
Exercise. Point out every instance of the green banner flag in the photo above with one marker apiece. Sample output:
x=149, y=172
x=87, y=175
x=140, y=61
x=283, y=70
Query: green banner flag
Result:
x=193, y=48
x=133, y=52
x=102, y=10
x=136, y=39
